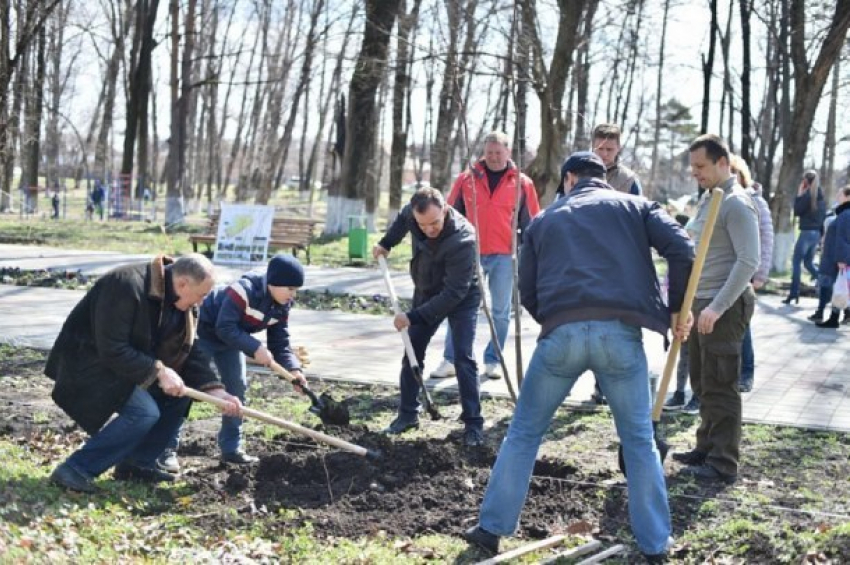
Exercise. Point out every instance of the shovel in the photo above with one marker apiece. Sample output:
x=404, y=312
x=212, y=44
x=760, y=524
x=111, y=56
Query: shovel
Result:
x=291, y=426
x=673, y=352
x=408, y=346
x=325, y=407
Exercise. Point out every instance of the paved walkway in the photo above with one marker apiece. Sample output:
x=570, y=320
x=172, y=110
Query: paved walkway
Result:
x=802, y=372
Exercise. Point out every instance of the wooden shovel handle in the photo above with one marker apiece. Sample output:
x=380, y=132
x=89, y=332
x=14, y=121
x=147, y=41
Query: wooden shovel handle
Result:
x=690, y=292
x=280, y=422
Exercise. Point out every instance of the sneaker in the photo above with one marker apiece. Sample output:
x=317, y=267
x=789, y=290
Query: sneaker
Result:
x=400, y=425
x=66, y=476
x=473, y=437
x=482, y=538
x=692, y=407
x=492, y=371
x=130, y=472
x=168, y=461
x=444, y=371
x=675, y=402
x=238, y=457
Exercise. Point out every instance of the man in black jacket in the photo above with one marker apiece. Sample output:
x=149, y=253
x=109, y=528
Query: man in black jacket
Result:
x=128, y=347
x=591, y=295
x=446, y=286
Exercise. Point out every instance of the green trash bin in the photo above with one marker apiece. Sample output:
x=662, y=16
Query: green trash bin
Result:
x=358, y=238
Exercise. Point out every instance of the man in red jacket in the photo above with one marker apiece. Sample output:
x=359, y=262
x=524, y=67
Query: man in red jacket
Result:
x=487, y=195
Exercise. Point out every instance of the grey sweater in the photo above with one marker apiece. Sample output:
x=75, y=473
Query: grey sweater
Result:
x=733, y=254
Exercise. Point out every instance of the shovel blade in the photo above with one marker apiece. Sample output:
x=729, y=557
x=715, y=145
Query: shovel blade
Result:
x=331, y=411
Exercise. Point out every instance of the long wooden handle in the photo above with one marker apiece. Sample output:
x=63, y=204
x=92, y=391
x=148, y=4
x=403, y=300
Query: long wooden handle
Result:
x=690, y=292
x=408, y=346
x=280, y=422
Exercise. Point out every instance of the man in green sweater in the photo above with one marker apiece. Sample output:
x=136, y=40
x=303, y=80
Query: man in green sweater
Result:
x=722, y=309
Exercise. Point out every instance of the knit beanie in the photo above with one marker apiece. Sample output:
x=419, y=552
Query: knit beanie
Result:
x=285, y=270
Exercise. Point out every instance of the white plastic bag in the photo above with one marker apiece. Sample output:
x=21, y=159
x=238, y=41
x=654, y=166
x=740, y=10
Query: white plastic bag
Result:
x=840, y=291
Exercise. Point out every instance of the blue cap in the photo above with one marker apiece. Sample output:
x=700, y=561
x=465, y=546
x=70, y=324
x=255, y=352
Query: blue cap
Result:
x=583, y=160
x=285, y=270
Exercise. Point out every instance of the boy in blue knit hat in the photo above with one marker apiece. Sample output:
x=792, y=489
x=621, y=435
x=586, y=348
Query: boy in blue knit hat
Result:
x=228, y=317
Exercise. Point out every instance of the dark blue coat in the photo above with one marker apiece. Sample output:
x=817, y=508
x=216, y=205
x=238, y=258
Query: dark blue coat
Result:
x=588, y=257
x=229, y=315
x=836, y=243
x=811, y=216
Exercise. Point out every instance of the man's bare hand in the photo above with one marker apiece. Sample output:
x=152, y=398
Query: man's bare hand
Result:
x=707, y=319
x=300, y=380
x=263, y=356
x=401, y=321
x=379, y=251
x=170, y=382
x=681, y=330
x=234, y=405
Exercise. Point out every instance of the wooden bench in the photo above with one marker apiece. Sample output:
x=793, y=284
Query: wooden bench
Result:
x=287, y=233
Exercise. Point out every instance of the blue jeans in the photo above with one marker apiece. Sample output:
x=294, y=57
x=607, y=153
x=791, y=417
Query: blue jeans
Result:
x=234, y=376
x=748, y=356
x=614, y=352
x=804, y=254
x=462, y=322
x=499, y=272
x=138, y=435
x=825, y=283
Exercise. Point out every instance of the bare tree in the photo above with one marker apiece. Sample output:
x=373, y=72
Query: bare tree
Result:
x=708, y=67
x=360, y=124
x=659, y=89
x=827, y=170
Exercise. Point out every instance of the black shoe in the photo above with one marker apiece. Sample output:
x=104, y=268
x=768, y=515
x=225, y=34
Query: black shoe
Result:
x=745, y=385
x=238, y=457
x=675, y=402
x=706, y=472
x=817, y=316
x=692, y=407
x=846, y=319
x=790, y=299
x=599, y=399
x=482, y=538
x=168, y=461
x=655, y=558
x=66, y=476
x=400, y=425
x=473, y=437
x=831, y=322
x=693, y=457
x=128, y=472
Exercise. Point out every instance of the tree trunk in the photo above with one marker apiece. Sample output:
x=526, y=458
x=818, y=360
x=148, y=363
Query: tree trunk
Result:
x=31, y=142
x=708, y=67
x=746, y=151
x=550, y=85
x=808, y=87
x=827, y=171
x=360, y=124
x=55, y=87
x=581, y=139
x=652, y=189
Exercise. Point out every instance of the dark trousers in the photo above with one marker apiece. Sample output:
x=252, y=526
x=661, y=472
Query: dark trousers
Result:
x=462, y=322
x=715, y=361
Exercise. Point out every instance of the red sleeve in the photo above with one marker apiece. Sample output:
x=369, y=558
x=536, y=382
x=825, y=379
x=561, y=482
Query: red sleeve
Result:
x=531, y=201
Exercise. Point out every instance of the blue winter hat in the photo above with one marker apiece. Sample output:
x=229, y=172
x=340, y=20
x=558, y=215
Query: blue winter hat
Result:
x=285, y=270
x=587, y=161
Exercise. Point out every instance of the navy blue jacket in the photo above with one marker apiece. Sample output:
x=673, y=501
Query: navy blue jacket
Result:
x=229, y=315
x=811, y=217
x=836, y=243
x=443, y=269
x=588, y=257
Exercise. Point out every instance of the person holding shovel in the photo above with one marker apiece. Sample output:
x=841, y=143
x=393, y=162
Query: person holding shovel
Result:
x=129, y=348
x=228, y=317
x=446, y=287
x=591, y=298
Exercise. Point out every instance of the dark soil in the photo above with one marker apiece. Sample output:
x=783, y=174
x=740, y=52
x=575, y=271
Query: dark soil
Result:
x=435, y=485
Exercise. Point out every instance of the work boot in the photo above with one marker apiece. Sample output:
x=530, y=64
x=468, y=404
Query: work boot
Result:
x=66, y=476
x=444, y=371
x=238, y=457
x=831, y=322
x=401, y=425
x=473, y=437
x=130, y=472
x=675, y=402
x=476, y=535
x=706, y=472
x=168, y=461
x=693, y=457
